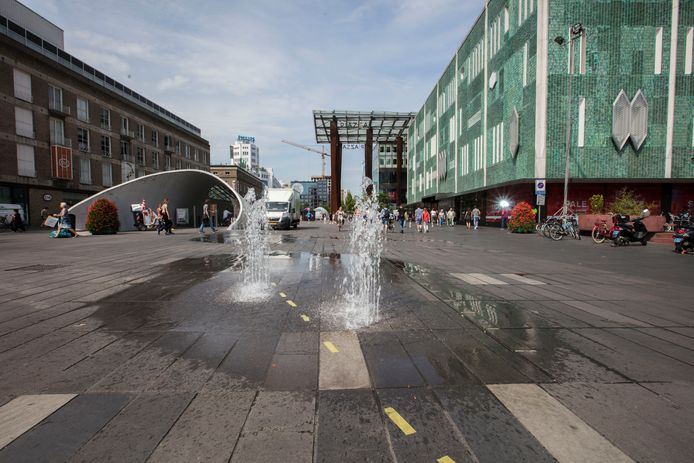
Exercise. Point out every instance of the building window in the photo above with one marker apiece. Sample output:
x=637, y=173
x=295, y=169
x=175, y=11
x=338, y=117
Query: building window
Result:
x=140, y=156
x=25, y=161
x=57, y=131
x=658, y=67
x=82, y=109
x=124, y=124
x=155, y=138
x=83, y=139
x=125, y=149
x=141, y=132
x=155, y=159
x=178, y=164
x=581, y=121
x=107, y=174
x=525, y=64
x=105, y=118
x=688, y=50
x=85, y=172
x=55, y=98
x=196, y=155
x=178, y=146
x=582, y=54
x=506, y=20
x=167, y=162
x=24, y=122
x=22, y=85
x=186, y=150
x=106, y=146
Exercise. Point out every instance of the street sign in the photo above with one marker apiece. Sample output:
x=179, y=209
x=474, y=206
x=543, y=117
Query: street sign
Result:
x=540, y=199
x=540, y=187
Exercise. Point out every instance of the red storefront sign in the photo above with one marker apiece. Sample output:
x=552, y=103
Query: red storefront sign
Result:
x=61, y=162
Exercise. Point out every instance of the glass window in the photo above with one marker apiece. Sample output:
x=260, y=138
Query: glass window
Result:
x=25, y=161
x=85, y=171
x=22, y=85
x=658, y=68
x=168, y=162
x=155, y=159
x=83, y=139
x=55, y=98
x=24, y=122
x=155, y=138
x=124, y=125
x=124, y=149
x=82, y=109
x=105, y=146
x=57, y=131
x=105, y=118
x=107, y=174
x=141, y=132
x=140, y=155
x=196, y=155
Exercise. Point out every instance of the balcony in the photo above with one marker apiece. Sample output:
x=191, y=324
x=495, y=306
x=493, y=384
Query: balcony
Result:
x=84, y=147
x=105, y=125
x=126, y=134
x=61, y=141
x=168, y=149
x=58, y=109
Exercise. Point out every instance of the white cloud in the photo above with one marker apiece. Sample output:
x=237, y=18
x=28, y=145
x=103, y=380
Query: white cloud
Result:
x=171, y=83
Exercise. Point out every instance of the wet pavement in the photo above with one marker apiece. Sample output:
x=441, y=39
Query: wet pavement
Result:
x=479, y=345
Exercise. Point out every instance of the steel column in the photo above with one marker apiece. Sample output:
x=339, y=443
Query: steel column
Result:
x=368, y=153
x=398, y=170
x=339, y=172
x=335, y=159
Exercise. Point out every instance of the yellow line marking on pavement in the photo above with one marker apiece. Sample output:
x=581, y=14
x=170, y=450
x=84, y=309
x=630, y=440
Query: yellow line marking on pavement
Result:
x=305, y=318
x=291, y=303
x=399, y=421
x=282, y=294
x=445, y=459
x=331, y=347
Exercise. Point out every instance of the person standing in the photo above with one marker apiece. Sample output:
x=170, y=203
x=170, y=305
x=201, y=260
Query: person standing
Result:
x=426, y=219
x=451, y=217
x=419, y=217
x=467, y=217
x=504, y=217
x=475, y=217
x=433, y=214
x=401, y=218
x=17, y=222
x=206, y=219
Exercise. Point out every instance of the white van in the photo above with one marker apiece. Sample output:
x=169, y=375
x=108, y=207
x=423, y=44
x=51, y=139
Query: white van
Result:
x=283, y=208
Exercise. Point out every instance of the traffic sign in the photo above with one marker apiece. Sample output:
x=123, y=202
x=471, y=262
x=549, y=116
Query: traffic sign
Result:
x=540, y=187
x=540, y=199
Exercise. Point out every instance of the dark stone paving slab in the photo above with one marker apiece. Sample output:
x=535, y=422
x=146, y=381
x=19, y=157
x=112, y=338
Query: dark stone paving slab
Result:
x=435, y=435
x=61, y=434
x=388, y=363
x=208, y=429
x=293, y=372
x=350, y=428
x=491, y=431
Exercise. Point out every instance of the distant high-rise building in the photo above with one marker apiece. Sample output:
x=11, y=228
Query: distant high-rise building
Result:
x=245, y=153
x=268, y=178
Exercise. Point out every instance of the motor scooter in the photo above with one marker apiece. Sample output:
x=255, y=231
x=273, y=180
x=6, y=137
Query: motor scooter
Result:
x=624, y=233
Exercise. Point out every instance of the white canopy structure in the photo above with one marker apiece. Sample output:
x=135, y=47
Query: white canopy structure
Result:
x=185, y=189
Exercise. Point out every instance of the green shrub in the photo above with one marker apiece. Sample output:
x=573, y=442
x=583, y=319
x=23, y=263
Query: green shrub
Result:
x=627, y=202
x=102, y=218
x=597, y=204
x=522, y=219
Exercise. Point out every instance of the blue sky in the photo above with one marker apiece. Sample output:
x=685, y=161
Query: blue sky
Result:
x=260, y=67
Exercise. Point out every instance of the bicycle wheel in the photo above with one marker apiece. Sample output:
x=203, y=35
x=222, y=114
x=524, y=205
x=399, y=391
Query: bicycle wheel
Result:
x=597, y=236
x=556, y=232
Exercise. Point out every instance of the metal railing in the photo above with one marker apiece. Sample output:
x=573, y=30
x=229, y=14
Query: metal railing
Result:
x=61, y=141
x=127, y=133
x=58, y=107
x=106, y=125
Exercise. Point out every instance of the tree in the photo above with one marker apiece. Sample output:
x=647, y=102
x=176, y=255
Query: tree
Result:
x=383, y=200
x=348, y=203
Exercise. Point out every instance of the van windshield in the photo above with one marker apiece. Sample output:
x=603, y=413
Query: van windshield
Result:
x=275, y=206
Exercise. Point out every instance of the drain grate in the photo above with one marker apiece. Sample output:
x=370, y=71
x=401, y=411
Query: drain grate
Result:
x=35, y=268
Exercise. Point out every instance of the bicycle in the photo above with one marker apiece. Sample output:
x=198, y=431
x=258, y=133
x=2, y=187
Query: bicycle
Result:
x=601, y=231
x=568, y=227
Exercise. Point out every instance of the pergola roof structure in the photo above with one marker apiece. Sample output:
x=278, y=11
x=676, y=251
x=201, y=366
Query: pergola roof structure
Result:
x=352, y=125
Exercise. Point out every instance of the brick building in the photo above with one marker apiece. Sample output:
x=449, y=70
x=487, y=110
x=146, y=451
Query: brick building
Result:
x=496, y=119
x=238, y=178
x=67, y=130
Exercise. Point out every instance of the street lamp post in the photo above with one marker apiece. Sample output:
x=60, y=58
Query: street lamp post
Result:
x=577, y=30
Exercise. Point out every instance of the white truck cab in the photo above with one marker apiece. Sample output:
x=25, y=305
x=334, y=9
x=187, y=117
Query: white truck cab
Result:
x=283, y=208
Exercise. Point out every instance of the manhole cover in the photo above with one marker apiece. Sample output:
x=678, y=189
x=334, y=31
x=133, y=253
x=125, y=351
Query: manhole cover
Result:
x=35, y=268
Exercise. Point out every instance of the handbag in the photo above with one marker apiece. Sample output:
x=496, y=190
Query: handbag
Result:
x=50, y=222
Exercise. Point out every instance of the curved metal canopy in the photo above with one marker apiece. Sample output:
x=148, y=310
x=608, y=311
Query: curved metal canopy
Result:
x=352, y=125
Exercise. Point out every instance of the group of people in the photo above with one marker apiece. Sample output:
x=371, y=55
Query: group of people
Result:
x=163, y=218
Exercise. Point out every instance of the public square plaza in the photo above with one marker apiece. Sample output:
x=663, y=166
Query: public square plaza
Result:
x=488, y=347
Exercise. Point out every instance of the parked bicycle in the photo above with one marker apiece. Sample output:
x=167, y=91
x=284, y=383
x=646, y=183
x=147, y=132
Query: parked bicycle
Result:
x=558, y=226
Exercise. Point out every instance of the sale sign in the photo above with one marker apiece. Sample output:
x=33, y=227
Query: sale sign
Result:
x=61, y=162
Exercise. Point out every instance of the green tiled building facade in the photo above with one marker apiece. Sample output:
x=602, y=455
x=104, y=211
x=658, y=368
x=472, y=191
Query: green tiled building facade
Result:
x=460, y=146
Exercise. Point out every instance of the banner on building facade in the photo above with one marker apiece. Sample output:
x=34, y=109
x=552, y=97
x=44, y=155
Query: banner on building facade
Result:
x=61, y=162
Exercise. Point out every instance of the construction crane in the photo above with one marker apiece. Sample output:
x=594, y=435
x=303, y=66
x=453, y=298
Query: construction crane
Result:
x=322, y=153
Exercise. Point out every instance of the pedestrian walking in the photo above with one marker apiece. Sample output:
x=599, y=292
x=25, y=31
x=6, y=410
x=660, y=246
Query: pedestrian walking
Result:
x=166, y=217
x=419, y=217
x=504, y=218
x=434, y=215
x=401, y=218
x=64, y=221
x=426, y=219
x=450, y=215
x=442, y=218
x=17, y=222
x=467, y=217
x=475, y=217
x=206, y=219
x=385, y=218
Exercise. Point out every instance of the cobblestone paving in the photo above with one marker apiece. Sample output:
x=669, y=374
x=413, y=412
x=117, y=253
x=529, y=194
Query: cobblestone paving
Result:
x=489, y=347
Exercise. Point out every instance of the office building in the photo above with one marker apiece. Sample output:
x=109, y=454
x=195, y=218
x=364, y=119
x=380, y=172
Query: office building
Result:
x=245, y=153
